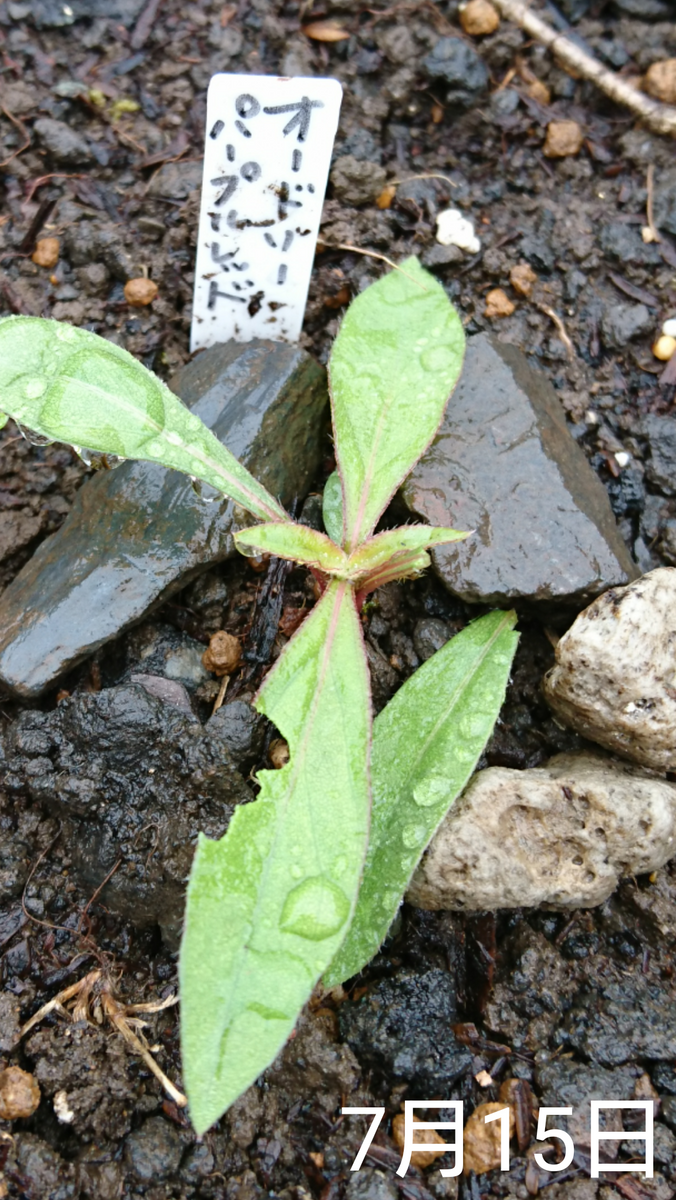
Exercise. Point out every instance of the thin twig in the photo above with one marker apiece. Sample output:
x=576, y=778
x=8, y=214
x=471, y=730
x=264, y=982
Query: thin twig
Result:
x=22, y=130
x=652, y=234
x=659, y=117
x=116, y=1015
x=431, y=175
x=554, y=316
x=221, y=694
x=373, y=254
x=85, y=984
x=98, y=891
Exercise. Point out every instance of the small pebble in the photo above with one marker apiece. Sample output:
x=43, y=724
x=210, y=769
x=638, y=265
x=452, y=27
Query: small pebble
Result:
x=564, y=138
x=664, y=347
x=430, y=1137
x=522, y=277
x=479, y=17
x=279, y=753
x=46, y=253
x=455, y=230
x=19, y=1094
x=139, y=292
x=223, y=654
x=669, y=327
x=498, y=304
x=660, y=80
x=482, y=1142
x=62, y=1109
x=386, y=197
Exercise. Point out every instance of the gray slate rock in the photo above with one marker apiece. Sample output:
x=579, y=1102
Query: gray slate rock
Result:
x=137, y=534
x=505, y=465
x=133, y=778
x=63, y=144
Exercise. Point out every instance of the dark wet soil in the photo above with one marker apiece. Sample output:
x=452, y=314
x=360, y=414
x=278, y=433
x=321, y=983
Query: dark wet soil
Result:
x=579, y=1005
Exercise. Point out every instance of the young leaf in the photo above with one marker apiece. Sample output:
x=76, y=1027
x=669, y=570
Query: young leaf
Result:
x=269, y=904
x=393, y=366
x=300, y=543
x=426, y=743
x=73, y=386
x=398, y=551
x=3, y=419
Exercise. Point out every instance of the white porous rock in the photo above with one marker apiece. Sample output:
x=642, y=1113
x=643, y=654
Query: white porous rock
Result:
x=455, y=230
x=614, y=680
x=559, y=836
x=669, y=327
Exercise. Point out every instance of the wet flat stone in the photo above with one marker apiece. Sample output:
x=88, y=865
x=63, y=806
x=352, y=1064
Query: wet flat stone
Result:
x=138, y=533
x=505, y=465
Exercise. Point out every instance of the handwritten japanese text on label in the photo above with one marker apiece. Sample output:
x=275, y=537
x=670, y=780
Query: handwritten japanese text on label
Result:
x=267, y=155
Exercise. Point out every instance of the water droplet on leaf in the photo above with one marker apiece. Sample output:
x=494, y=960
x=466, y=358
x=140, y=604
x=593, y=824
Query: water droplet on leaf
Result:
x=430, y=791
x=412, y=836
x=316, y=909
x=35, y=388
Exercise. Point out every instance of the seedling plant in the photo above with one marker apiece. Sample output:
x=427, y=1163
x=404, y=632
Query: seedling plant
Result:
x=308, y=878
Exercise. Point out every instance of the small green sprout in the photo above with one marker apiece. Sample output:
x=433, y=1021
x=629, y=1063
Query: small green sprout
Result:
x=305, y=883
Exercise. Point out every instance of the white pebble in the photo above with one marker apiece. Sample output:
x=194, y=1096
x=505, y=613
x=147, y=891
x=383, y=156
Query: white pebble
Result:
x=455, y=230
x=669, y=327
x=622, y=458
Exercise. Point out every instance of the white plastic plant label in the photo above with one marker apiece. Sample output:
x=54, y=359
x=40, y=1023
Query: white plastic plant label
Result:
x=266, y=162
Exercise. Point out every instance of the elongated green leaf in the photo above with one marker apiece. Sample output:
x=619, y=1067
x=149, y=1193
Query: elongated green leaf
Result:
x=3, y=419
x=426, y=743
x=73, y=386
x=269, y=904
x=392, y=369
x=397, y=545
x=300, y=543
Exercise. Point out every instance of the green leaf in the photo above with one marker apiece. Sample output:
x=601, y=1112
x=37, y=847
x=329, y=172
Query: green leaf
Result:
x=392, y=369
x=395, y=553
x=426, y=744
x=4, y=418
x=332, y=508
x=73, y=386
x=269, y=904
x=300, y=543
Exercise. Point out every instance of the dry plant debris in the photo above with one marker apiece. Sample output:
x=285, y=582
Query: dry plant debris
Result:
x=92, y=999
x=658, y=117
x=326, y=31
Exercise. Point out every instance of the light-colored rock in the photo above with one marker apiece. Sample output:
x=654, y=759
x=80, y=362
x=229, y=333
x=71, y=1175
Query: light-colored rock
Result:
x=560, y=836
x=614, y=680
